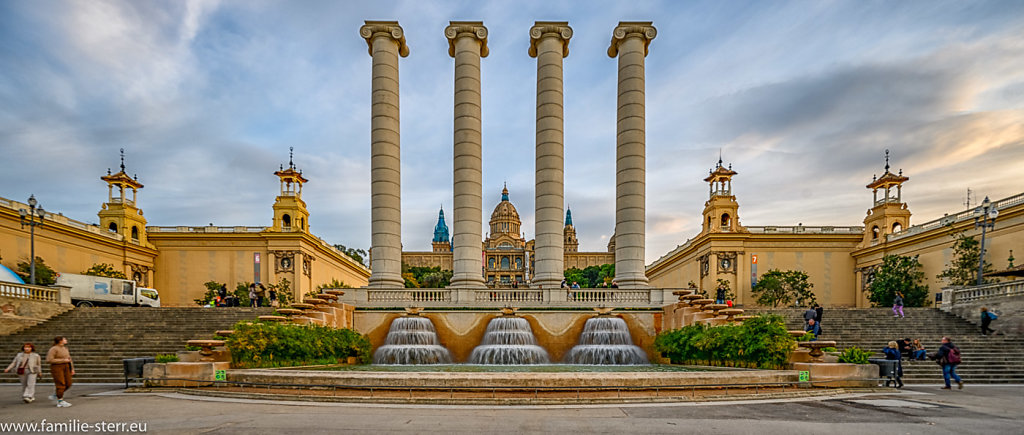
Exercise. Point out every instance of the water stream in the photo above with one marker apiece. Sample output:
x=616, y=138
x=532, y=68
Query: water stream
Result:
x=606, y=340
x=412, y=340
x=509, y=340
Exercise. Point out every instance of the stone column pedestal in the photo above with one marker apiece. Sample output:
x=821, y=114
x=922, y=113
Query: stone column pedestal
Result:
x=549, y=43
x=386, y=42
x=629, y=43
x=467, y=43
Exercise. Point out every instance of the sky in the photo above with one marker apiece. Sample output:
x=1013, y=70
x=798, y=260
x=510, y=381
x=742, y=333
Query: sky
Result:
x=802, y=99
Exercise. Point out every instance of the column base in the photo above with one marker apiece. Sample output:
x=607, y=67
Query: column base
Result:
x=467, y=283
x=386, y=282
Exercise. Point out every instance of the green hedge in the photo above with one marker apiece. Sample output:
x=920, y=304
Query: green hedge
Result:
x=761, y=342
x=286, y=344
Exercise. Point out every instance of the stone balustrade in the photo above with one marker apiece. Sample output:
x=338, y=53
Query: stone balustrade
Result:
x=56, y=294
x=521, y=297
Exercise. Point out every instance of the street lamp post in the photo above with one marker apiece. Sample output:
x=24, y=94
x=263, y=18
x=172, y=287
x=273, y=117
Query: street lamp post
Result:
x=984, y=217
x=28, y=217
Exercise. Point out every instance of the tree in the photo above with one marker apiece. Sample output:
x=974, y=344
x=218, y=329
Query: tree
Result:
x=591, y=276
x=780, y=287
x=902, y=274
x=44, y=274
x=211, y=293
x=104, y=270
x=575, y=275
x=963, y=269
x=283, y=288
x=357, y=254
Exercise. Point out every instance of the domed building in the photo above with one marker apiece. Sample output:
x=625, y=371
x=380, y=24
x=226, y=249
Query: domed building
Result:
x=507, y=254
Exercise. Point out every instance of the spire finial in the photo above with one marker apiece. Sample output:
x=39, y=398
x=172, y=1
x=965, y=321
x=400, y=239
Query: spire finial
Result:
x=886, y=160
x=291, y=152
x=719, y=157
x=504, y=192
x=122, y=159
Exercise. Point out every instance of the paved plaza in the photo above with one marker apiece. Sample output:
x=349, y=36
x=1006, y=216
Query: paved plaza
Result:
x=919, y=409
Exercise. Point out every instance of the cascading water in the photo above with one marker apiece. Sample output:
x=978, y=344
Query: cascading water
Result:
x=509, y=340
x=606, y=340
x=412, y=340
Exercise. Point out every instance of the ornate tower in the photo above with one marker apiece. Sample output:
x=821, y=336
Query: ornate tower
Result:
x=441, y=242
x=290, y=212
x=121, y=214
x=721, y=211
x=569, y=234
x=888, y=214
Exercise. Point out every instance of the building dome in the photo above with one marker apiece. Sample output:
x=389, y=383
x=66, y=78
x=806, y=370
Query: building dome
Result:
x=505, y=218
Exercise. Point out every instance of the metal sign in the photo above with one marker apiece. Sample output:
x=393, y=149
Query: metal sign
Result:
x=221, y=375
x=805, y=376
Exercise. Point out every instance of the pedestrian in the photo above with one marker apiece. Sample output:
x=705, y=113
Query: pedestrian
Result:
x=61, y=369
x=720, y=296
x=565, y=283
x=575, y=285
x=252, y=295
x=809, y=315
x=813, y=328
x=906, y=348
x=892, y=353
x=615, y=284
x=918, y=350
x=948, y=357
x=817, y=313
x=29, y=367
x=272, y=294
x=222, y=291
x=261, y=294
x=897, y=305
x=986, y=319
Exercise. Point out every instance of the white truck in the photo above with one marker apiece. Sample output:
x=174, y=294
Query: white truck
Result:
x=88, y=291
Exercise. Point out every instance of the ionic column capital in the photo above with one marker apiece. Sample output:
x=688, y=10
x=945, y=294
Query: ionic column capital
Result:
x=631, y=29
x=474, y=29
x=387, y=29
x=550, y=29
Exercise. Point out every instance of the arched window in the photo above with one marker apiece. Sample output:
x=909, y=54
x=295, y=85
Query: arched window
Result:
x=112, y=227
x=709, y=222
x=897, y=227
x=286, y=221
x=874, y=233
x=726, y=222
x=135, y=232
x=490, y=263
x=504, y=263
x=302, y=223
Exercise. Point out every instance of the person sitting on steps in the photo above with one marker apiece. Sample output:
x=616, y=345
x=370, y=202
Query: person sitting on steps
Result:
x=919, y=352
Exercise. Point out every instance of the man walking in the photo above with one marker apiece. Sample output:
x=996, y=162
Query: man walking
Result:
x=948, y=357
x=986, y=319
x=809, y=315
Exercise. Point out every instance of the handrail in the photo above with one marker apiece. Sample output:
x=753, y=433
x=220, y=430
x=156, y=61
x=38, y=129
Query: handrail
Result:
x=31, y=292
x=954, y=295
x=950, y=219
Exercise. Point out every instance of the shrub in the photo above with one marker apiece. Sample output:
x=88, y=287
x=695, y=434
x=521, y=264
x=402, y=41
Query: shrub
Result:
x=166, y=358
x=45, y=275
x=105, y=270
x=284, y=344
x=854, y=355
x=760, y=342
x=829, y=349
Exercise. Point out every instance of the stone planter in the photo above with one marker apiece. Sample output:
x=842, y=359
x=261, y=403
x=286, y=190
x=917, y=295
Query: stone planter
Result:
x=840, y=374
x=182, y=374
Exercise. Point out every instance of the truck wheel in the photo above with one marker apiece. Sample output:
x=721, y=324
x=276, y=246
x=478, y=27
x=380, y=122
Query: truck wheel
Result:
x=85, y=304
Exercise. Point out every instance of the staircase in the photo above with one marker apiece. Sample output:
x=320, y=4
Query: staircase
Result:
x=986, y=359
x=100, y=337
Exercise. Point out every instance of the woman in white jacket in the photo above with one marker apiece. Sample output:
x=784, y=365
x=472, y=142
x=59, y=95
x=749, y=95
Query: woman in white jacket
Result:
x=28, y=365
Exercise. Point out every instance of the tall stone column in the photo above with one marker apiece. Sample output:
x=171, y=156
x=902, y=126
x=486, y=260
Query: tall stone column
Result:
x=467, y=43
x=386, y=42
x=629, y=43
x=549, y=43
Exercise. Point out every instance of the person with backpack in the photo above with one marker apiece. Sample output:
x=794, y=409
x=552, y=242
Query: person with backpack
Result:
x=897, y=305
x=948, y=357
x=986, y=319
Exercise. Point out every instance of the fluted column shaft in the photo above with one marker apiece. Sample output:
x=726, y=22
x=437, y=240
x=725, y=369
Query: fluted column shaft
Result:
x=549, y=43
x=629, y=43
x=386, y=42
x=467, y=44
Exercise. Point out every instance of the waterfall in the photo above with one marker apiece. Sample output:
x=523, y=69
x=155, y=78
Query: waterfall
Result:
x=509, y=340
x=412, y=340
x=606, y=340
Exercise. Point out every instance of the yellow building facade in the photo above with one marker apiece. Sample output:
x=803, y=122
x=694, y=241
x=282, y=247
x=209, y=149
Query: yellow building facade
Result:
x=178, y=260
x=839, y=260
